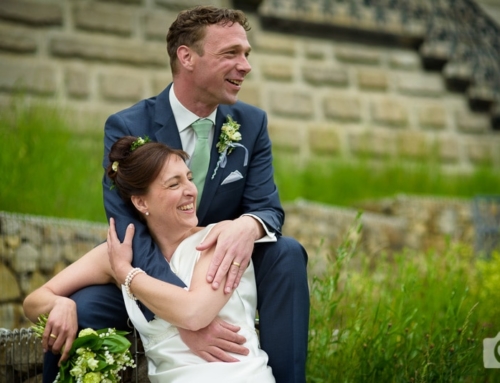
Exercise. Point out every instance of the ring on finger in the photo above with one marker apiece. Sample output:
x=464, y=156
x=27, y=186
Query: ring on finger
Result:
x=237, y=264
x=53, y=336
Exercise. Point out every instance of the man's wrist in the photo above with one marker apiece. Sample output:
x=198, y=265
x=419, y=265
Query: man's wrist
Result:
x=255, y=226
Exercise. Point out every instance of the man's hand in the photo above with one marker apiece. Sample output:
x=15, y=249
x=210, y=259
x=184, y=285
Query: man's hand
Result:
x=61, y=328
x=234, y=242
x=213, y=342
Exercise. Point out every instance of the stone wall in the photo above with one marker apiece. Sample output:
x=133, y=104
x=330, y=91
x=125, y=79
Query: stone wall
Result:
x=33, y=249
x=326, y=98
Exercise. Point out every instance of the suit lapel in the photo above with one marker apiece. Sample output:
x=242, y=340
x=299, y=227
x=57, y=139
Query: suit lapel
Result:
x=165, y=126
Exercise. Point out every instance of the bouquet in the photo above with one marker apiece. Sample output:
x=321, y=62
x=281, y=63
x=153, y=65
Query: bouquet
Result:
x=95, y=356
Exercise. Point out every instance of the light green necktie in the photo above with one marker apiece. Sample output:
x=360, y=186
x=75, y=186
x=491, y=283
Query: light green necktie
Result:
x=201, y=155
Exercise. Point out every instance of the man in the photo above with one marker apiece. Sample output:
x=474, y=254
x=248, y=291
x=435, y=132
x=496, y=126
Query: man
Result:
x=208, y=50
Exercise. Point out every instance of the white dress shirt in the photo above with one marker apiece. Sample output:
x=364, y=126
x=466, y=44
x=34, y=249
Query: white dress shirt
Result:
x=184, y=118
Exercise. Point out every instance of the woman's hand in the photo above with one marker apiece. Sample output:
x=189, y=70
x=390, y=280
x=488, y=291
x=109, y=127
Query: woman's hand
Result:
x=120, y=254
x=61, y=328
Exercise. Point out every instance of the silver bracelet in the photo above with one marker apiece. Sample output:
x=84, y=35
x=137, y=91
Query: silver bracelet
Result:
x=128, y=280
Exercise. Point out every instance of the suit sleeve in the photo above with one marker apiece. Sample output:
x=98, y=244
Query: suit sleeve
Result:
x=147, y=255
x=260, y=196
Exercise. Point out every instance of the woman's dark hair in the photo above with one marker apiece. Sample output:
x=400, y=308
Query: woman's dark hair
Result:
x=189, y=28
x=133, y=170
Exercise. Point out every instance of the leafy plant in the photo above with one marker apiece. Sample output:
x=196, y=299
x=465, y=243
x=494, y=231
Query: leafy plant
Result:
x=411, y=317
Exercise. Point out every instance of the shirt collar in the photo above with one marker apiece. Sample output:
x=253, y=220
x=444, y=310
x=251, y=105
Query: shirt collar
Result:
x=184, y=117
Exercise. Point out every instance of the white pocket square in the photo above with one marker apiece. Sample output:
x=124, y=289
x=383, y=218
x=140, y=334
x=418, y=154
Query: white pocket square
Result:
x=234, y=176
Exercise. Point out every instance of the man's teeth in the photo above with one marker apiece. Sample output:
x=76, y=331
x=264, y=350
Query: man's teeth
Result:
x=186, y=207
x=235, y=82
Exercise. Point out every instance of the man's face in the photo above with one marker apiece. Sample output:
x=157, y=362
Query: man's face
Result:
x=220, y=71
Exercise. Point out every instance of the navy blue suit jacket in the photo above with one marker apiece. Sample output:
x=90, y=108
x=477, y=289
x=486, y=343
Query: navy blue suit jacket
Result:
x=255, y=193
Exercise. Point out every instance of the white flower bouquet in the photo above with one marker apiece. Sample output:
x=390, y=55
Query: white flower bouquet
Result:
x=96, y=356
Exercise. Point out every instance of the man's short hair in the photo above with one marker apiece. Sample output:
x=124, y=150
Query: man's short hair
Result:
x=189, y=28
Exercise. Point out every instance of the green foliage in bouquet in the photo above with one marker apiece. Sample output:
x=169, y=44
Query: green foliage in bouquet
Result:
x=96, y=356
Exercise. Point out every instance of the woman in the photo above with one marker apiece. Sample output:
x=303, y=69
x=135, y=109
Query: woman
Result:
x=157, y=182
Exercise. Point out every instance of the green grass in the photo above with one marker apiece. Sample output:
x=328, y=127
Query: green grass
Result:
x=48, y=169
x=342, y=183
x=413, y=317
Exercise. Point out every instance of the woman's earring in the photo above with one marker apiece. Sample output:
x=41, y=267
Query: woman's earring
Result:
x=147, y=213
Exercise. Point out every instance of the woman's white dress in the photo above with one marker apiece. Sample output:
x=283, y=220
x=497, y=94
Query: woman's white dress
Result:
x=169, y=358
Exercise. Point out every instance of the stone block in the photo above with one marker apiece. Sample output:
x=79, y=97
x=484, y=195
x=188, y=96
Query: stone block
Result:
x=100, y=49
x=6, y=253
x=405, y=60
x=285, y=135
x=480, y=152
x=323, y=139
x=422, y=85
x=250, y=93
x=275, y=44
x=389, y=112
x=372, y=79
x=376, y=143
x=12, y=241
x=17, y=40
x=178, y=5
x=121, y=87
x=34, y=13
x=432, y=116
x=156, y=24
x=468, y=122
x=276, y=70
x=343, y=108
x=50, y=254
x=75, y=250
x=32, y=281
x=324, y=75
x=160, y=81
x=316, y=51
x=291, y=103
x=447, y=148
x=10, y=288
x=8, y=320
x=358, y=55
x=26, y=258
x=31, y=78
x=412, y=144
x=77, y=83
x=107, y=18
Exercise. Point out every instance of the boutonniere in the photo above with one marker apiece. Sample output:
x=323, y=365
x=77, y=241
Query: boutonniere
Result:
x=227, y=142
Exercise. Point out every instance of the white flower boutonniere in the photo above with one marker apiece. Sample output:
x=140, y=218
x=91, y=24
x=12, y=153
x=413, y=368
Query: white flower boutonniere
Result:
x=227, y=142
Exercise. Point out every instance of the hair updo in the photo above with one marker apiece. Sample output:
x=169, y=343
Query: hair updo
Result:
x=133, y=170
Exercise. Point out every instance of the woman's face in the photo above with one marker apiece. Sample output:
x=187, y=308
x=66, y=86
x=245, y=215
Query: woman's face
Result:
x=171, y=200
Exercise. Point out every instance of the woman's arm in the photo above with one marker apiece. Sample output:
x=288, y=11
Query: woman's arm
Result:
x=191, y=309
x=51, y=298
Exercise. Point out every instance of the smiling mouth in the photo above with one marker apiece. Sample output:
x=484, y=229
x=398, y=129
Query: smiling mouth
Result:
x=187, y=207
x=235, y=82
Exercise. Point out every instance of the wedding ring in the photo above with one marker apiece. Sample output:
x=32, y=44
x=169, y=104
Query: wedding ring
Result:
x=53, y=336
x=236, y=264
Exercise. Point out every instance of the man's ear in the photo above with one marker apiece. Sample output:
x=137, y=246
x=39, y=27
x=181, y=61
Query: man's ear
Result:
x=139, y=203
x=185, y=56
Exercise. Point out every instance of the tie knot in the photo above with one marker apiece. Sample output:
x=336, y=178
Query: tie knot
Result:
x=202, y=128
